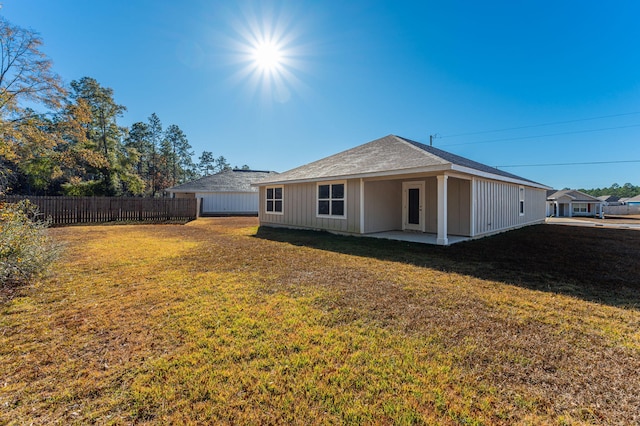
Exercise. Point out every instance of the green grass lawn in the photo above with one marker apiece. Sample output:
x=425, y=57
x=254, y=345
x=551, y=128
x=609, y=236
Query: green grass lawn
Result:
x=218, y=321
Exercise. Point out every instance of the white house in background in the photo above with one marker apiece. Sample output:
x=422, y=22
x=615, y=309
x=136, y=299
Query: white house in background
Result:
x=570, y=203
x=226, y=193
x=397, y=188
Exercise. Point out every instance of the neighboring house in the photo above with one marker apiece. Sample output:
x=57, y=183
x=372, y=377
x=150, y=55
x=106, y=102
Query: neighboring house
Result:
x=570, y=203
x=396, y=184
x=226, y=193
x=633, y=201
x=609, y=200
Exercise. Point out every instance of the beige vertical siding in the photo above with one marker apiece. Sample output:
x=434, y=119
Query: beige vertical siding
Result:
x=497, y=206
x=299, y=209
x=382, y=205
x=431, y=201
x=458, y=207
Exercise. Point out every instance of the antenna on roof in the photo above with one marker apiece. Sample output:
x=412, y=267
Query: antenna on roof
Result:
x=432, y=137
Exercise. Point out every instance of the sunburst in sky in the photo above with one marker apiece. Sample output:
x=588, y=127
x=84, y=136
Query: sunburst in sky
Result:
x=268, y=53
x=267, y=56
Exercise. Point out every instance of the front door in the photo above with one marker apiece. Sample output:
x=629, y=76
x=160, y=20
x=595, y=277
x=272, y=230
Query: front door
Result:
x=413, y=206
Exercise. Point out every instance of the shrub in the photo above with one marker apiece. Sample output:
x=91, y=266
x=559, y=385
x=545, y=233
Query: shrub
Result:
x=26, y=251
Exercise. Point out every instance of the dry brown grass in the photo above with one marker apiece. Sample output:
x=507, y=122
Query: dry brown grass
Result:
x=217, y=321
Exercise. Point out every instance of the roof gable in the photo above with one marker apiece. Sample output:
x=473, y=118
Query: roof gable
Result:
x=574, y=195
x=390, y=154
x=235, y=180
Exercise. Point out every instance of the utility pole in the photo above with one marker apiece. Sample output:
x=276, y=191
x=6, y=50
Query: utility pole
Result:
x=431, y=138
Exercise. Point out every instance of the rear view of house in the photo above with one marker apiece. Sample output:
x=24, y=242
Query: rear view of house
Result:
x=396, y=184
x=226, y=193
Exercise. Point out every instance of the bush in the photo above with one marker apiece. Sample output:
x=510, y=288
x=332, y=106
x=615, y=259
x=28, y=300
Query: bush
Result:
x=26, y=251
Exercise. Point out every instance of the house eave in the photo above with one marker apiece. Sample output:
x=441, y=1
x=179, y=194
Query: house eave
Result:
x=399, y=172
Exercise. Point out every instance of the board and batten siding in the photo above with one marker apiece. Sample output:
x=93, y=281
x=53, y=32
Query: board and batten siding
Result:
x=458, y=207
x=300, y=205
x=497, y=206
x=229, y=202
x=382, y=205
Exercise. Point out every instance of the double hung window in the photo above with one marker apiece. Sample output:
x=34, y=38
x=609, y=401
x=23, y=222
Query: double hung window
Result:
x=274, y=198
x=331, y=199
x=580, y=208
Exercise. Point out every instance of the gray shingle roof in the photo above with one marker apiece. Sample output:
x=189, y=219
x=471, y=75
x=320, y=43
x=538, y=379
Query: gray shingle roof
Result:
x=574, y=195
x=225, y=181
x=465, y=162
x=388, y=154
x=608, y=198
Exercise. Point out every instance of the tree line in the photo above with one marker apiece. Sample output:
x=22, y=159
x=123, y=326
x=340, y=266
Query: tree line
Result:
x=625, y=191
x=73, y=144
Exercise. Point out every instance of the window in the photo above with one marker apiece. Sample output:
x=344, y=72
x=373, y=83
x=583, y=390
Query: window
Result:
x=579, y=207
x=521, y=203
x=331, y=198
x=274, y=199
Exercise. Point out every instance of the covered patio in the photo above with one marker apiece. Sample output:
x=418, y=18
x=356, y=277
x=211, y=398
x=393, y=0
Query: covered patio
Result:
x=430, y=208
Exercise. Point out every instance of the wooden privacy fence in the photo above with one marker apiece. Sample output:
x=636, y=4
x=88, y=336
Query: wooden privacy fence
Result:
x=69, y=210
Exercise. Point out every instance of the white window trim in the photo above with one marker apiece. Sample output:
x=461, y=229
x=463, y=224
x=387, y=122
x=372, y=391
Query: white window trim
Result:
x=267, y=199
x=578, y=207
x=523, y=209
x=330, y=216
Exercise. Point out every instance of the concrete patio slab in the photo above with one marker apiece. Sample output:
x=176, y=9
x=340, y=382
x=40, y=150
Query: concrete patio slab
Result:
x=414, y=237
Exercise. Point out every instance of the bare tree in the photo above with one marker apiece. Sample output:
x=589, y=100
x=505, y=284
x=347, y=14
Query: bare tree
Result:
x=26, y=80
x=25, y=72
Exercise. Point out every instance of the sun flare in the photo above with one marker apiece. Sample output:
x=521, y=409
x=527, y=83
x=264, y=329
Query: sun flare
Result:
x=267, y=56
x=268, y=52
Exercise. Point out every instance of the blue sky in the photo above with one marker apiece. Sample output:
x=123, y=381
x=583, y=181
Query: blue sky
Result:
x=350, y=72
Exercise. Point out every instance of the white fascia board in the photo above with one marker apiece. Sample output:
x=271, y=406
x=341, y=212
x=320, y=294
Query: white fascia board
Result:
x=200, y=191
x=223, y=192
x=385, y=173
x=492, y=176
x=459, y=176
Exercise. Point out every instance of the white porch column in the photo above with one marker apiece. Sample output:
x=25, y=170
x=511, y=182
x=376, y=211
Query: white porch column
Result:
x=570, y=209
x=472, y=225
x=361, y=205
x=442, y=239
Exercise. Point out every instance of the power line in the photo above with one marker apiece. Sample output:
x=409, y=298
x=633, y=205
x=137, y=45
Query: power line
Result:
x=570, y=164
x=540, y=125
x=545, y=135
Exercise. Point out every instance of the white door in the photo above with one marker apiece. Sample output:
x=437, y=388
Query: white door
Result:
x=413, y=206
